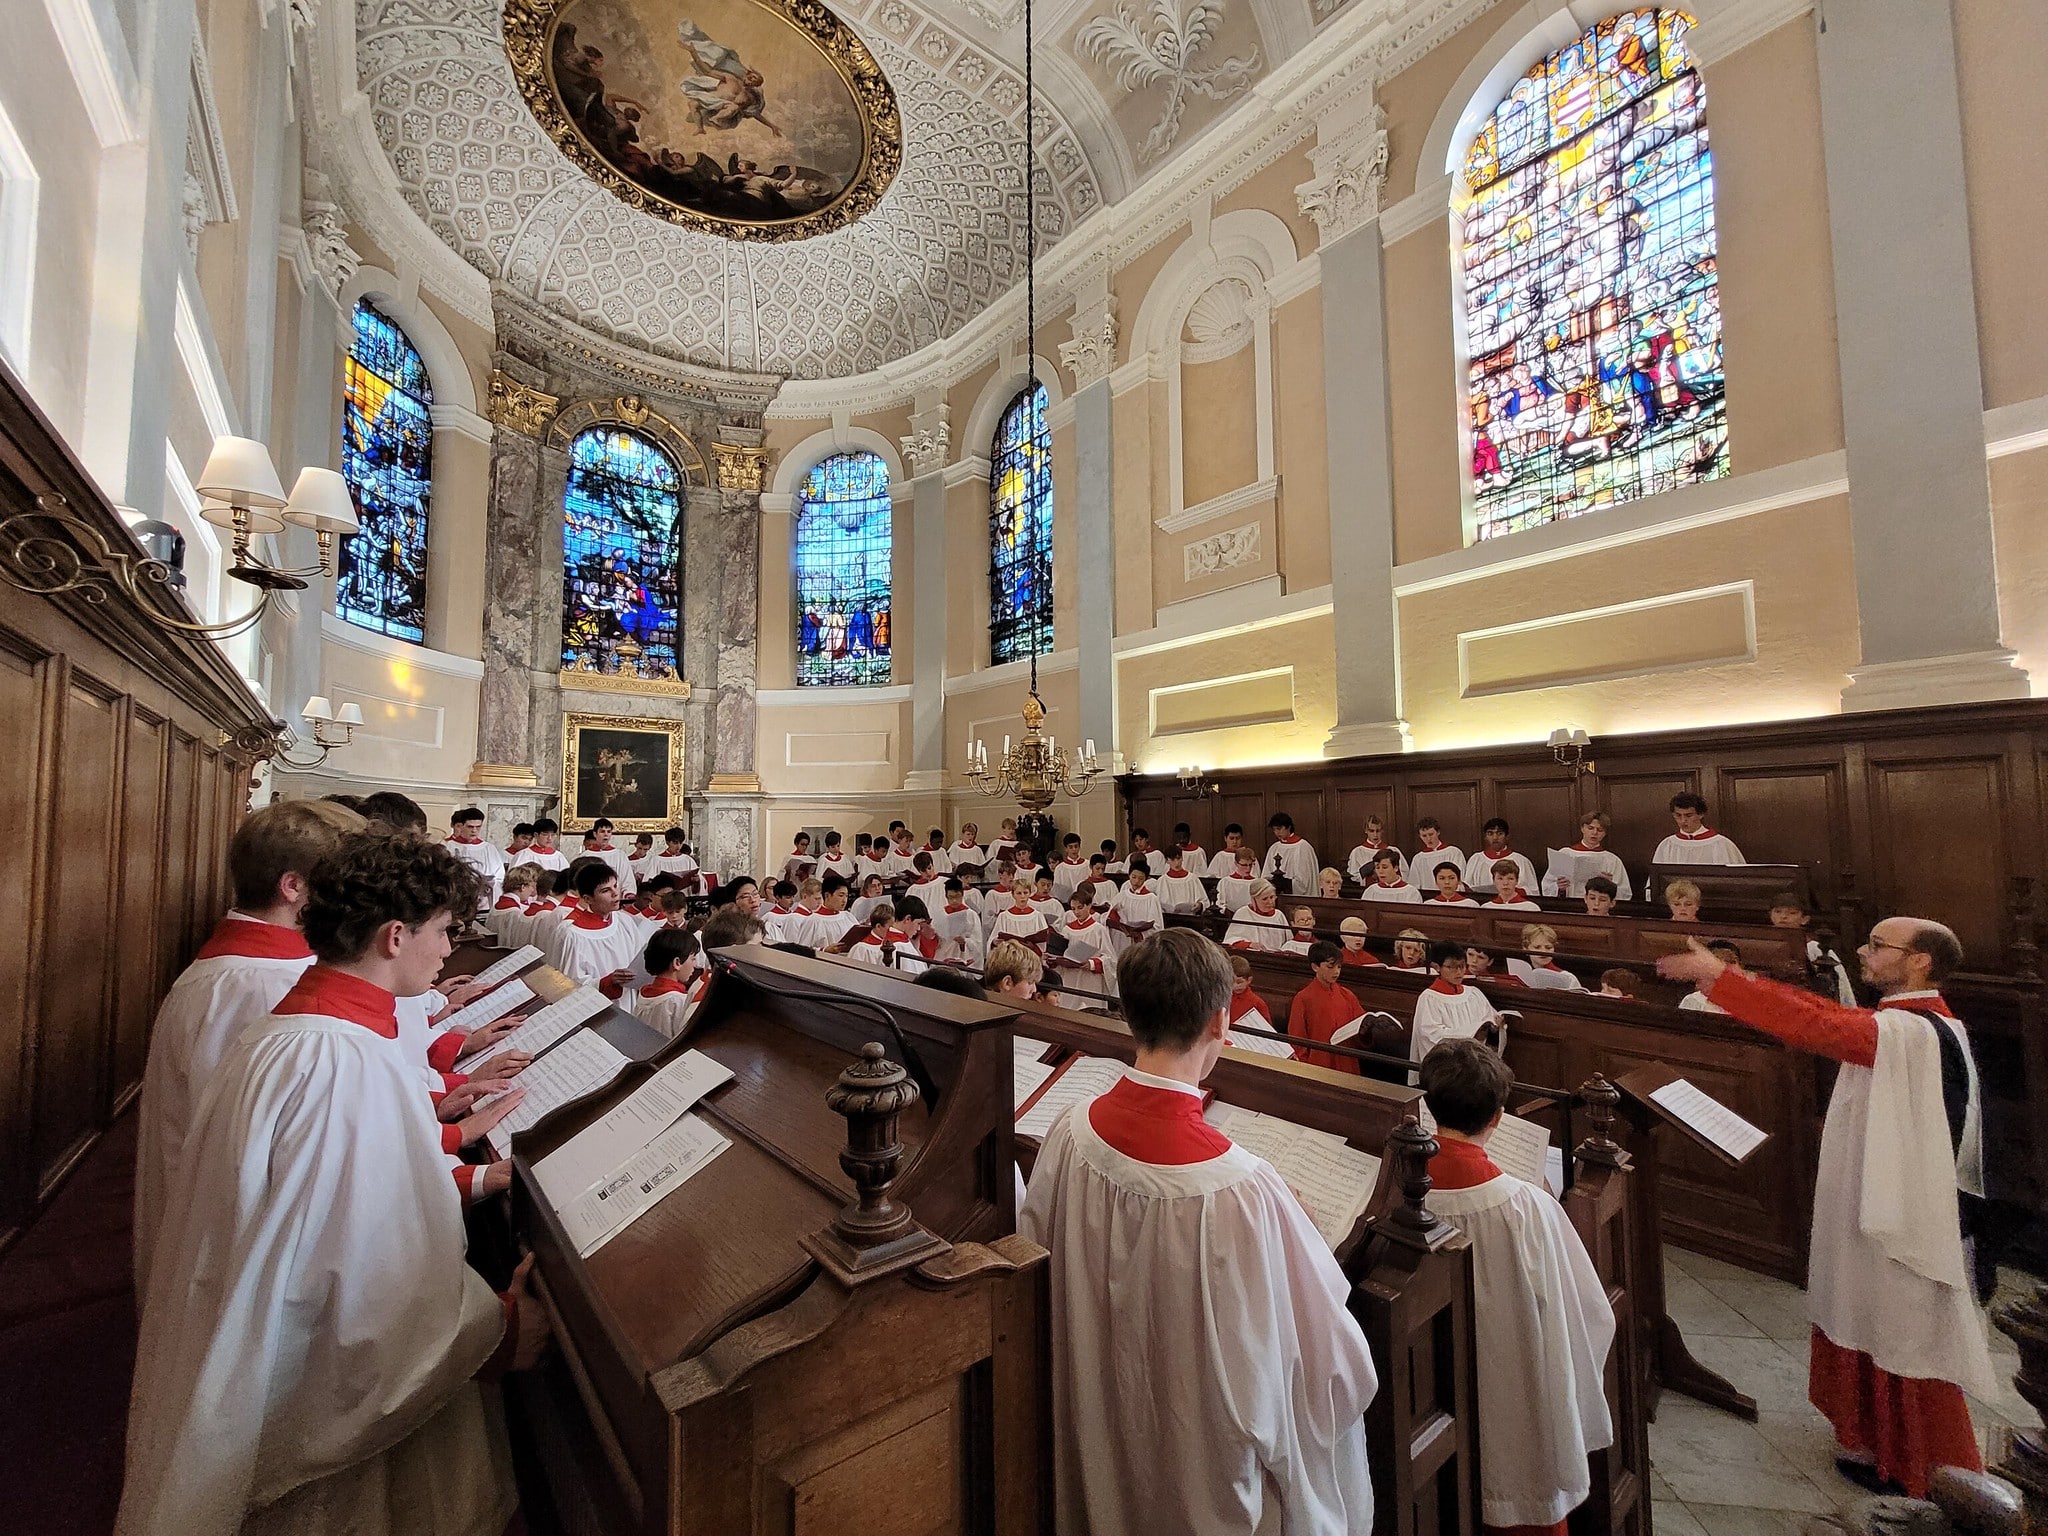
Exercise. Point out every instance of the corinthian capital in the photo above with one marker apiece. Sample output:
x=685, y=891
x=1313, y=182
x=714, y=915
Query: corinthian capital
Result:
x=1351, y=168
x=1091, y=356
x=930, y=440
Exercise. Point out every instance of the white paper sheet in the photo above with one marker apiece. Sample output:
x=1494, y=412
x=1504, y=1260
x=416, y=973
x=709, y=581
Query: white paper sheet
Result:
x=1711, y=1118
x=581, y=1065
x=1333, y=1178
x=657, y=1171
x=1520, y=1147
x=489, y=1008
x=1564, y=874
x=510, y=966
x=601, y=1148
x=1085, y=1079
x=1026, y=1070
x=550, y=1025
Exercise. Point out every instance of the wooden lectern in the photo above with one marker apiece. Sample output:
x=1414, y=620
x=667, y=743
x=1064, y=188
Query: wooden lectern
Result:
x=831, y=1328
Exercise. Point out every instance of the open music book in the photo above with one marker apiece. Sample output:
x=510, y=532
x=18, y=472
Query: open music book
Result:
x=1075, y=1081
x=551, y=1025
x=510, y=966
x=1711, y=1118
x=489, y=1008
x=576, y=1068
x=1028, y=1070
x=1333, y=1178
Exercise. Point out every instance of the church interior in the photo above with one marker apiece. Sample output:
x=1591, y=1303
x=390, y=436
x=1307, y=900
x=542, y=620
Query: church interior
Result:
x=742, y=487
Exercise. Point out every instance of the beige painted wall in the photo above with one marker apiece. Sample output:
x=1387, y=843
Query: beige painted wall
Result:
x=2001, y=49
x=1299, y=445
x=2019, y=507
x=1304, y=646
x=1219, y=426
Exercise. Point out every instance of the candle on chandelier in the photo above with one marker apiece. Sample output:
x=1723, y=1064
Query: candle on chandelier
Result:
x=1088, y=747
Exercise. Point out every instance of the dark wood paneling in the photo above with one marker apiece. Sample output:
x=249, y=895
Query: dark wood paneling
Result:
x=1924, y=805
x=1801, y=803
x=1640, y=804
x=1454, y=804
x=1539, y=809
x=21, y=750
x=140, y=900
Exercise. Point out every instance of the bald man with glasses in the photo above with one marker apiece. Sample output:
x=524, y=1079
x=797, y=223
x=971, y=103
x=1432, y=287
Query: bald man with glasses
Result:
x=1897, y=1337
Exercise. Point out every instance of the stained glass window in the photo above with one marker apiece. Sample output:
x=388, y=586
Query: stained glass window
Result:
x=1020, y=532
x=843, y=550
x=387, y=451
x=1592, y=319
x=619, y=551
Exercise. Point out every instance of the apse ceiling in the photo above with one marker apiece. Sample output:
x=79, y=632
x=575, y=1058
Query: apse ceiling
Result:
x=893, y=211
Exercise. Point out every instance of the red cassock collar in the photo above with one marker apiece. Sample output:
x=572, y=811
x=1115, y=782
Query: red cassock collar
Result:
x=1440, y=896
x=338, y=995
x=250, y=938
x=1440, y=985
x=467, y=842
x=591, y=920
x=664, y=987
x=1357, y=956
x=1520, y=895
x=1461, y=1165
x=1086, y=922
x=1582, y=848
x=1291, y=838
x=1696, y=837
x=1155, y=1125
x=1242, y=1003
x=506, y=903
x=1398, y=885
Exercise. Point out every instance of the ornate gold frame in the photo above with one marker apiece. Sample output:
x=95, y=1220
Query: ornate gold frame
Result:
x=529, y=32
x=573, y=727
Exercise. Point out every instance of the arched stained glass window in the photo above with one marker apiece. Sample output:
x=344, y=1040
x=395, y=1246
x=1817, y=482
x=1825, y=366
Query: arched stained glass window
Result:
x=1592, y=320
x=387, y=451
x=844, y=545
x=1020, y=532
x=620, y=551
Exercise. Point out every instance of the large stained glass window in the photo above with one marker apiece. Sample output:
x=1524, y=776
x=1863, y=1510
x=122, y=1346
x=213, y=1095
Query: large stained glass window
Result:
x=387, y=451
x=619, y=552
x=843, y=550
x=1592, y=320
x=1020, y=532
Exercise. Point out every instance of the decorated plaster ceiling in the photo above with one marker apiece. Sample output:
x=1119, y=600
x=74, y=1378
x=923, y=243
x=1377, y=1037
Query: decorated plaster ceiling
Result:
x=942, y=242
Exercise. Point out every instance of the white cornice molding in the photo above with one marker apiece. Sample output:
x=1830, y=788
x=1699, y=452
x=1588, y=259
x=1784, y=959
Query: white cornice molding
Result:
x=207, y=145
x=1285, y=287
x=293, y=251
x=973, y=467
x=461, y=420
x=1012, y=672
x=2017, y=428
x=1732, y=25
x=1418, y=210
x=101, y=69
x=1257, y=494
x=781, y=503
x=1221, y=616
x=1144, y=368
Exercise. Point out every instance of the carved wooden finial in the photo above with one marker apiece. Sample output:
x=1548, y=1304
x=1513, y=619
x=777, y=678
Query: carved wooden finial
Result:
x=871, y=1093
x=1411, y=1148
x=1602, y=1099
x=2025, y=1321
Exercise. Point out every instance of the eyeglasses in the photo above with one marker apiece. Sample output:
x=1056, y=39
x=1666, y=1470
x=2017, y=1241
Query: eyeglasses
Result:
x=1874, y=942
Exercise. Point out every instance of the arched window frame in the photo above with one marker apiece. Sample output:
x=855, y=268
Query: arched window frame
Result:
x=384, y=519
x=660, y=643
x=1490, y=82
x=1016, y=637
x=850, y=644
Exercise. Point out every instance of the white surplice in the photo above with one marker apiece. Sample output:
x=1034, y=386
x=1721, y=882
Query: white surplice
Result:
x=959, y=934
x=1294, y=858
x=1423, y=862
x=485, y=858
x=1206, y=1375
x=1259, y=930
x=1705, y=847
x=1182, y=893
x=1441, y=1014
x=311, y=1331
x=586, y=953
x=1479, y=870
x=1544, y=1327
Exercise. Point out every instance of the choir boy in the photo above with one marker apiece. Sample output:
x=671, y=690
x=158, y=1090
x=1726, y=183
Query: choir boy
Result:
x=1072, y=869
x=1098, y=876
x=1682, y=901
x=1142, y=852
x=900, y=858
x=958, y=927
x=311, y=1337
x=927, y=880
x=1544, y=1323
x=1136, y=910
x=1619, y=981
x=1111, y=864
x=810, y=901
x=466, y=842
x=642, y=856
x=518, y=894
x=544, y=852
x=1012, y=969
x=1021, y=920
x=1366, y=854
x=1697, y=1001
x=866, y=859
x=1897, y=1336
x=1289, y=856
x=1479, y=868
x=834, y=860
x=1235, y=888
x=1411, y=952
x=1323, y=1007
x=967, y=852
x=1257, y=925
x=1090, y=945
x=1005, y=841
x=597, y=940
x=1789, y=911
x=1539, y=943
x=1351, y=943
x=1599, y=896
x=1233, y=1400
x=883, y=938
x=1431, y=851
x=394, y=814
x=1694, y=842
x=729, y=926
x=1303, y=936
x=601, y=846
x=666, y=1002
x=1447, y=1008
x=1450, y=886
x=1249, y=1009
x=1386, y=883
x=1025, y=859
x=798, y=866
x=870, y=893
x=1508, y=891
x=1184, y=844
x=1050, y=907
x=252, y=959
x=675, y=858
x=522, y=839
x=775, y=919
x=1224, y=864
x=1479, y=967
x=831, y=923
x=1329, y=884
x=914, y=922
x=1181, y=891
x=1594, y=858
x=996, y=895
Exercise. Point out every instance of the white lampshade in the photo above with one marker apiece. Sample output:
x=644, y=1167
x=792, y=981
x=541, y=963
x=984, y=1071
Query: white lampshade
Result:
x=1560, y=737
x=222, y=515
x=320, y=501
x=239, y=471
x=317, y=708
x=1580, y=738
x=351, y=714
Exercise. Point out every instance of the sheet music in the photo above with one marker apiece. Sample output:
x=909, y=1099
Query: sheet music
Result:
x=1333, y=1178
x=1711, y=1118
x=1563, y=874
x=551, y=1024
x=489, y=1008
x=1027, y=1071
x=657, y=1171
x=505, y=969
x=580, y=1066
x=602, y=1148
x=1520, y=1147
x=1082, y=1079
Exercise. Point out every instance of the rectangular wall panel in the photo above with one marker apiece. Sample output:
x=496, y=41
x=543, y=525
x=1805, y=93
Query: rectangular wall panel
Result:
x=21, y=687
x=1258, y=698
x=1687, y=629
x=141, y=909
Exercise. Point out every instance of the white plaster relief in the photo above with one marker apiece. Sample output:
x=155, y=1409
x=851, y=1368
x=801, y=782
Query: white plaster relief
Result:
x=1220, y=552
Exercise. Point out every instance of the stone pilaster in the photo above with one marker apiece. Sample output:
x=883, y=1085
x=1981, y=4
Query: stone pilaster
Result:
x=733, y=796
x=1090, y=358
x=513, y=566
x=924, y=453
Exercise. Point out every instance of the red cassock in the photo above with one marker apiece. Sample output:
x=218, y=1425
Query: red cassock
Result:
x=1318, y=1011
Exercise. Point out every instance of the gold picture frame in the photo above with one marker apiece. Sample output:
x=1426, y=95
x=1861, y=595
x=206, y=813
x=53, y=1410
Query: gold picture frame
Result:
x=628, y=768
x=530, y=42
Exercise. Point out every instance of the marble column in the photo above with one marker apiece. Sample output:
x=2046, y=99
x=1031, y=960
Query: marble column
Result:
x=1912, y=387
x=513, y=562
x=1350, y=159
x=1090, y=358
x=733, y=800
x=924, y=452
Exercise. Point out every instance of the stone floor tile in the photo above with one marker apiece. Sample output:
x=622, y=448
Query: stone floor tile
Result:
x=1697, y=1311
x=1741, y=1520
x=1764, y=1368
x=1710, y=1457
x=1668, y=1517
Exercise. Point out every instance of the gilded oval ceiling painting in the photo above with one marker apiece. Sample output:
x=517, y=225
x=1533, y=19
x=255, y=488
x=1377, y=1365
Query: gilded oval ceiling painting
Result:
x=752, y=119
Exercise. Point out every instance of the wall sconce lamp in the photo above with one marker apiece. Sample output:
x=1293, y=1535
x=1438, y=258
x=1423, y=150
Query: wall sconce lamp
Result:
x=331, y=728
x=1569, y=747
x=1193, y=782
